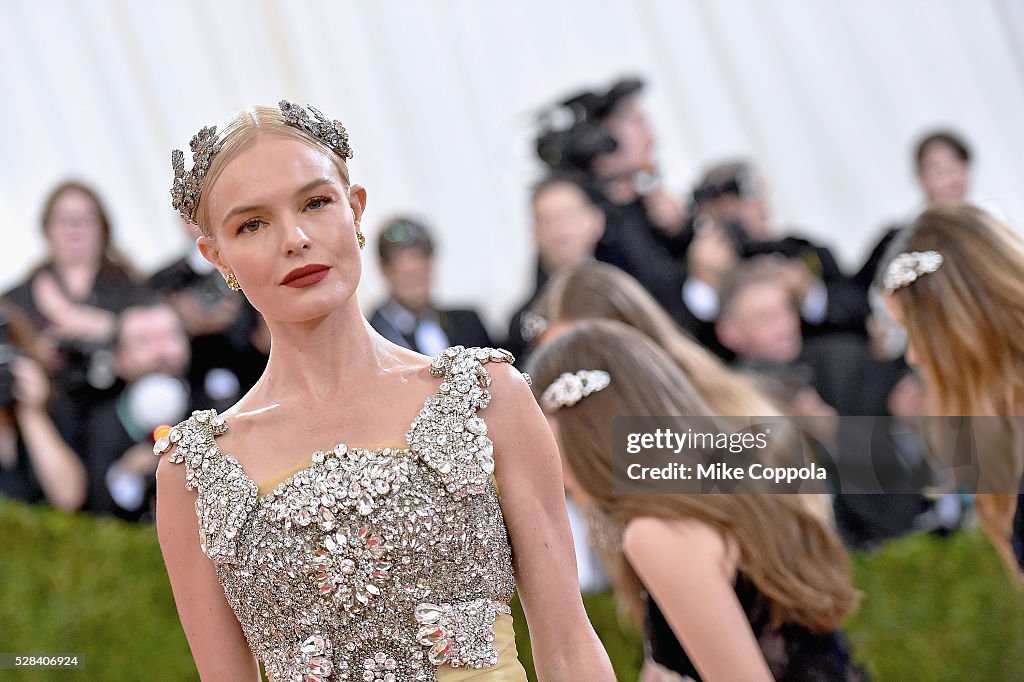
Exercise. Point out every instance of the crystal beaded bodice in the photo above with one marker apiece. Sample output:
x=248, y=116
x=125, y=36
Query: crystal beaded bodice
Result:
x=368, y=565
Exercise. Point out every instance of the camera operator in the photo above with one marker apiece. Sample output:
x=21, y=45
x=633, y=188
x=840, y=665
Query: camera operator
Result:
x=734, y=224
x=151, y=359
x=35, y=462
x=220, y=325
x=609, y=142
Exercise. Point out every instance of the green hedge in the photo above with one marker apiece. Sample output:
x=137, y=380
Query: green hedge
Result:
x=933, y=609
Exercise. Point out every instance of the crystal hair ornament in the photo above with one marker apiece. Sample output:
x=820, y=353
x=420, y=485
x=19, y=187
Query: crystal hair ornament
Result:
x=570, y=388
x=331, y=133
x=907, y=267
x=188, y=186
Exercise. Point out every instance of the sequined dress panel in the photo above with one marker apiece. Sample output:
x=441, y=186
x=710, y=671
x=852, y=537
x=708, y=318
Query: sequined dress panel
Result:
x=368, y=565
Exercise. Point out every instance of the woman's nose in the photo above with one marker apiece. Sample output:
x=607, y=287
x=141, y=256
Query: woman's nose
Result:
x=296, y=241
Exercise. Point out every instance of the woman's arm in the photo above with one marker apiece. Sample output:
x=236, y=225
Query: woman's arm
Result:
x=529, y=475
x=59, y=470
x=214, y=635
x=686, y=568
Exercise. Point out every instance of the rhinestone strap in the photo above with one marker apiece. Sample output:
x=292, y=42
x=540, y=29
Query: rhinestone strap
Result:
x=464, y=455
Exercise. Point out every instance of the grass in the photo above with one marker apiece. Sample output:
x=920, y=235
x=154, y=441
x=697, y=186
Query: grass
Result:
x=933, y=609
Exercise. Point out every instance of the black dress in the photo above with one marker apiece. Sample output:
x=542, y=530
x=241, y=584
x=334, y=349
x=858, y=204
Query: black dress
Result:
x=793, y=653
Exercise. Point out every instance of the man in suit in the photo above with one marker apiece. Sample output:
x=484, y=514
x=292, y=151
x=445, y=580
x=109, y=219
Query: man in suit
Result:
x=409, y=317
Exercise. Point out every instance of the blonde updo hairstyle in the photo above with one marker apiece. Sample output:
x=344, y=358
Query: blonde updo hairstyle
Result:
x=244, y=129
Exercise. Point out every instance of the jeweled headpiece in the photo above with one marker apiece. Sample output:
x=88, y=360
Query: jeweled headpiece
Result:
x=188, y=186
x=905, y=268
x=572, y=387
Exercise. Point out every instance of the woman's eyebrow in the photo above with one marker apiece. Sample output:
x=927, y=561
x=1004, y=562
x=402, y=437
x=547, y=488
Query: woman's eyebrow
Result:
x=313, y=185
x=254, y=207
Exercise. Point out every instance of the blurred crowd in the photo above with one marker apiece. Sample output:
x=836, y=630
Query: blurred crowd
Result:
x=96, y=361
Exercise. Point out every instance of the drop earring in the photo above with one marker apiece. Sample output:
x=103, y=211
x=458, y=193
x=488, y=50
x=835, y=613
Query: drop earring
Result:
x=361, y=238
x=232, y=282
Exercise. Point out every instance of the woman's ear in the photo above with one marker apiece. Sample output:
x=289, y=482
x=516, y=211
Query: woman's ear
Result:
x=357, y=200
x=211, y=252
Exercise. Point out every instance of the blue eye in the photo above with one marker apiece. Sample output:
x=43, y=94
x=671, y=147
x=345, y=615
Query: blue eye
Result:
x=316, y=203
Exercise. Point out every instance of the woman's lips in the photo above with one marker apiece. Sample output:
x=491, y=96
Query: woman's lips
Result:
x=305, y=276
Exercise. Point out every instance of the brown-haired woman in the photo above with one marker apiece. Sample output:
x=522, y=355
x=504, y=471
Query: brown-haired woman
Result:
x=593, y=290
x=741, y=587
x=73, y=297
x=35, y=462
x=957, y=286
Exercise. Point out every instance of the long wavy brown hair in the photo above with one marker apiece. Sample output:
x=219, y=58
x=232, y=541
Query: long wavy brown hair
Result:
x=593, y=290
x=791, y=555
x=965, y=322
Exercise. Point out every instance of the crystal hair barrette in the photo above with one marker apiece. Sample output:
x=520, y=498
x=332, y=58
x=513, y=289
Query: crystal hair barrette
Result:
x=188, y=186
x=908, y=266
x=570, y=388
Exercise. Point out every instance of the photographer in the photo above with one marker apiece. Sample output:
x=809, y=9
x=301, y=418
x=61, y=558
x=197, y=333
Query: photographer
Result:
x=151, y=359
x=73, y=297
x=609, y=142
x=220, y=325
x=735, y=224
x=35, y=462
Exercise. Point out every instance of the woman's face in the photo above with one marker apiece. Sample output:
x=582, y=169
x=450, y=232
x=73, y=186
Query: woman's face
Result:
x=943, y=175
x=75, y=230
x=282, y=219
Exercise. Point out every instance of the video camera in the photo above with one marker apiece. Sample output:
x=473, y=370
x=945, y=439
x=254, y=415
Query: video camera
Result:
x=571, y=134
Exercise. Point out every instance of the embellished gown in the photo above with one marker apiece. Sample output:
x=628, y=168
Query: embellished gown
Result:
x=379, y=565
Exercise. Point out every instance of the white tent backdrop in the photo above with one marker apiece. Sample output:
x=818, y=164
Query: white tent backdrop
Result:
x=439, y=97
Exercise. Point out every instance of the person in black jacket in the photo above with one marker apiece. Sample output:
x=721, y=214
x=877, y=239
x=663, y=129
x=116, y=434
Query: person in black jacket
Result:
x=73, y=297
x=942, y=168
x=115, y=436
x=409, y=317
x=36, y=464
x=611, y=144
x=567, y=226
x=736, y=225
x=220, y=323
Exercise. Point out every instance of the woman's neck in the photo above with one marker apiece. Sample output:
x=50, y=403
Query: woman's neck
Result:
x=316, y=360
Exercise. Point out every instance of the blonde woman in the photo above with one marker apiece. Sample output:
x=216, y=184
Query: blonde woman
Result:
x=741, y=587
x=957, y=286
x=343, y=521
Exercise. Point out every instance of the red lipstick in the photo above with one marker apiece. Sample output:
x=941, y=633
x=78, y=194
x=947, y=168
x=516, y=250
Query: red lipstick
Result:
x=306, y=276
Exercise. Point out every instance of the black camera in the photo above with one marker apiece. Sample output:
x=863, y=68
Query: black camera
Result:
x=739, y=179
x=571, y=134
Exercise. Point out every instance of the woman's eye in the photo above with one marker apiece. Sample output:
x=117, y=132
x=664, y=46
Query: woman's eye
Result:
x=317, y=203
x=250, y=226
